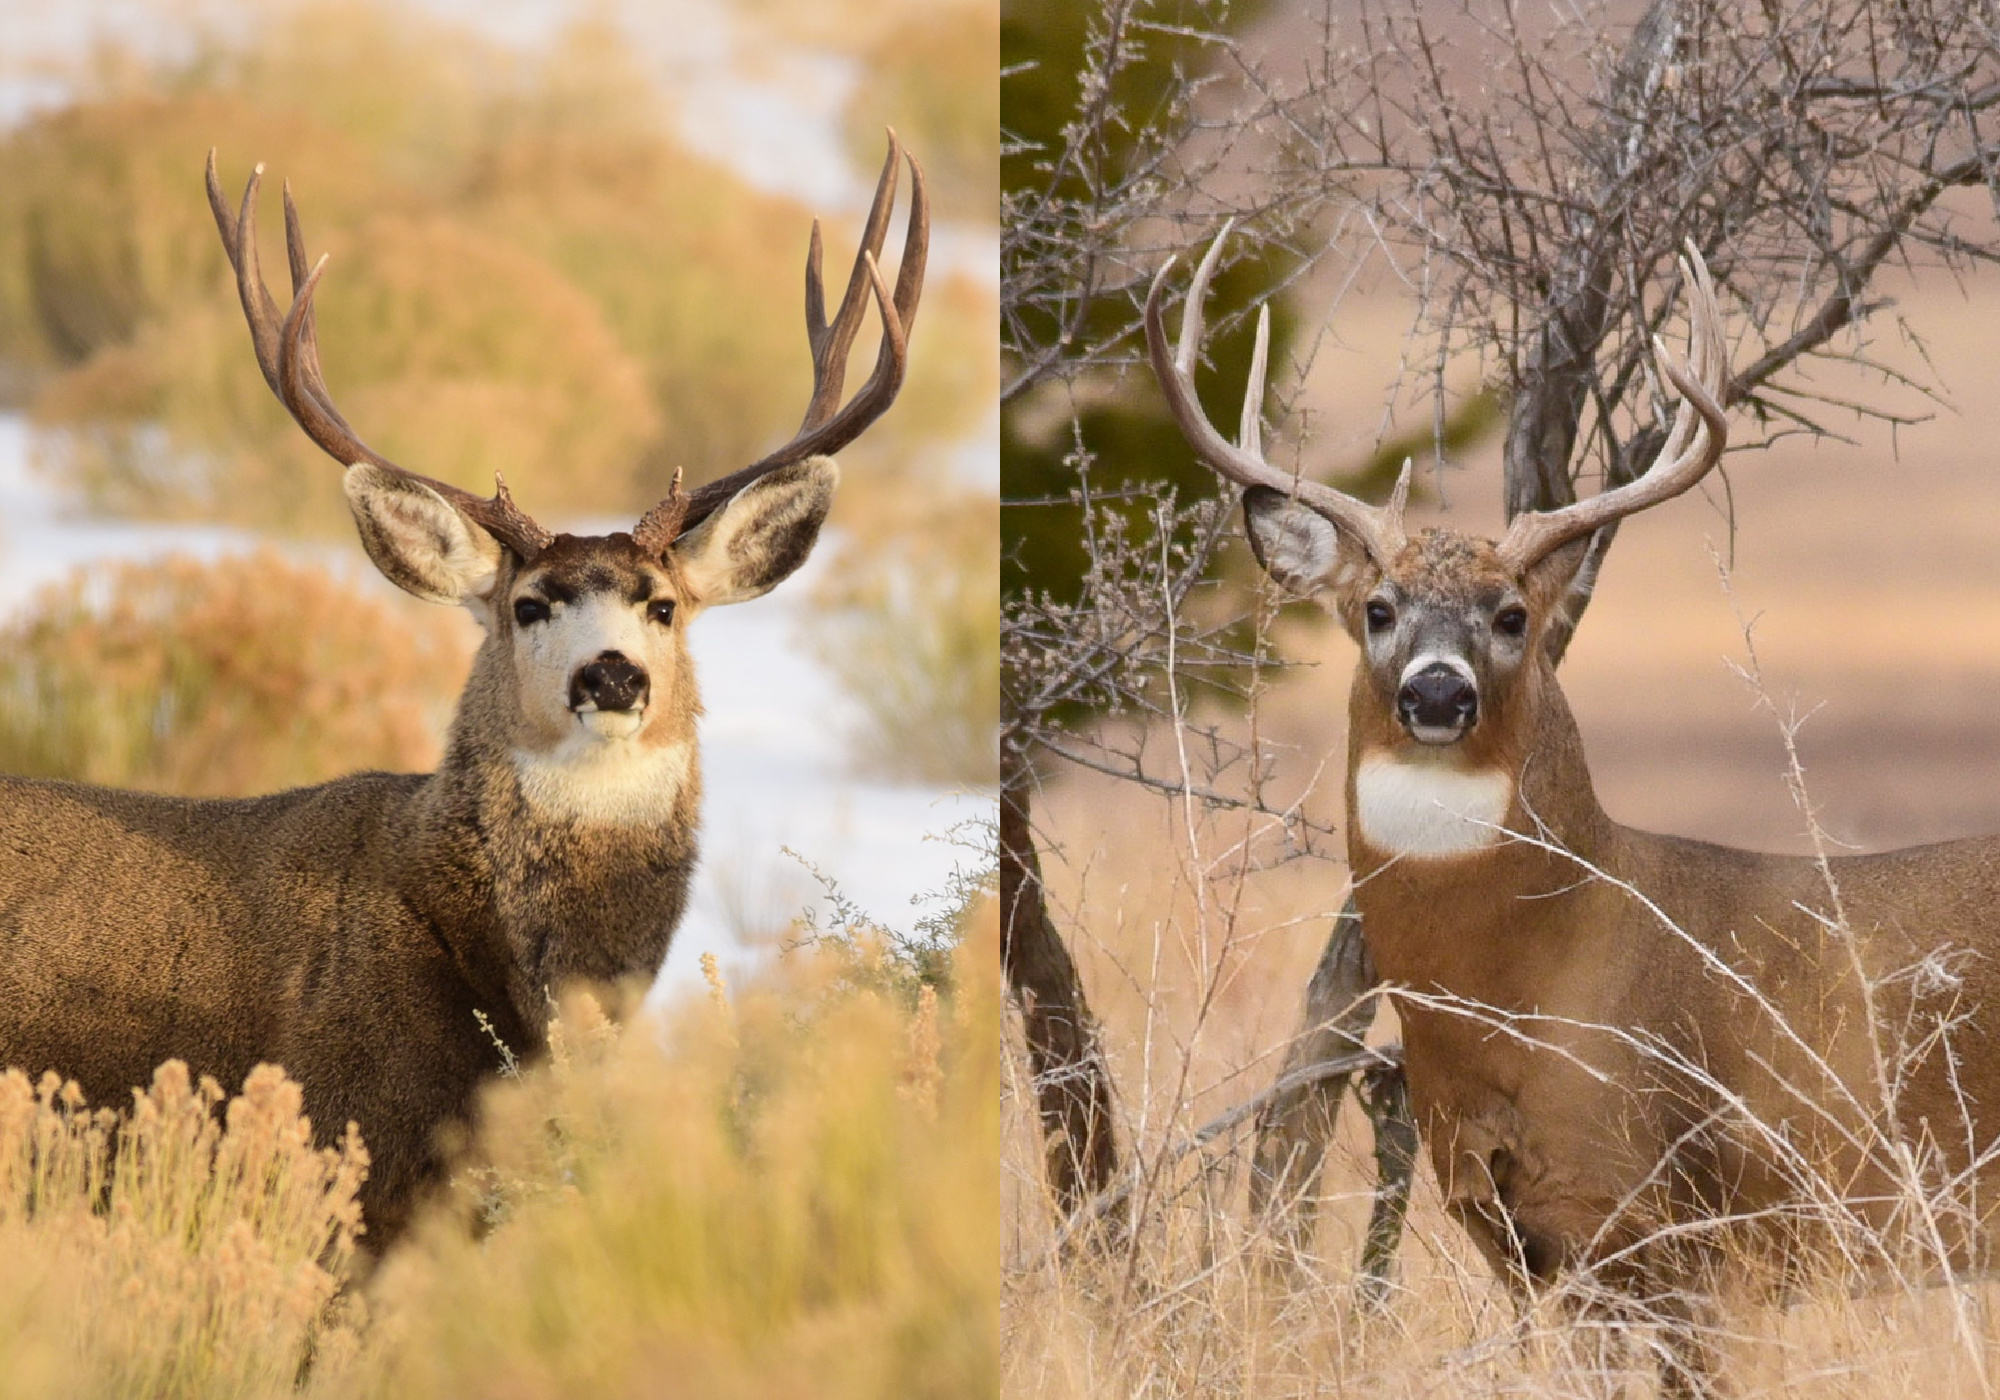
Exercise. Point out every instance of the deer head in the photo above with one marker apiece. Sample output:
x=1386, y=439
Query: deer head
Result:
x=585, y=651
x=1450, y=625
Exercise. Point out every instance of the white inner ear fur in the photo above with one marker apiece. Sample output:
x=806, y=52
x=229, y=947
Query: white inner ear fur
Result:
x=1296, y=545
x=1424, y=808
x=419, y=540
x=754, y=542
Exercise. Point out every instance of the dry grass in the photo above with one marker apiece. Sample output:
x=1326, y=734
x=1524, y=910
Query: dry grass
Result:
x=1196, y=965
x=796, y=1197
x=246, y=675
x=159, y=1252
x=784, y=1190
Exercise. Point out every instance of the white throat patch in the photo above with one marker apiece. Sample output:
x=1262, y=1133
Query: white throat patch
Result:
x=606, y=782
x=1424, y=808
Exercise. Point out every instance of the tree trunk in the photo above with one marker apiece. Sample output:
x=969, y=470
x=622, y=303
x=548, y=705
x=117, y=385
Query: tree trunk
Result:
x=1072, y=1080
x=1296, y=1128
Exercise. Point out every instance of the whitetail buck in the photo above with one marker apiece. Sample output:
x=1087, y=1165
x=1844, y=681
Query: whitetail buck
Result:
x=354, y=932
x=1634, y=1059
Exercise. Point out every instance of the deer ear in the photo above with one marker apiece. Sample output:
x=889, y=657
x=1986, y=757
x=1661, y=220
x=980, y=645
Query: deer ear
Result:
x=755, y=542
x=1560, y=587
x=1299, y=547
x=419, y=540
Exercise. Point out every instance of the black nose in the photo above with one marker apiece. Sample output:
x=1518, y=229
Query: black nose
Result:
x=609, y=683
x=1438, y=697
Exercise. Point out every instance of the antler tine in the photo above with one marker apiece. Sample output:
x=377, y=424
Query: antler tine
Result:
x=898, y=310
x=1695, y=442
x=1250, y=428
x=239, y=243
x=661, y=526
x=1378, y=530
x=295, y=255
x=287, y=352
x=830, y=344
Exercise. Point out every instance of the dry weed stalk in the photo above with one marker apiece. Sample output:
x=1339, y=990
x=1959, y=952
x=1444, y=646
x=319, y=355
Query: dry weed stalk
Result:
x=176, y=1254
x=1833, y=1294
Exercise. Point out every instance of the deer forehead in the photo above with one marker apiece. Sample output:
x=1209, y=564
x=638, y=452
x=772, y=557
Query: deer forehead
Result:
x=576, y=567
x=1450, y=567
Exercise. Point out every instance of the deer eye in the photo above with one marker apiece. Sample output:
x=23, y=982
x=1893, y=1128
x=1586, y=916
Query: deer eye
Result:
x=1511, y=622
x=530, y=610
x=661, y=610
x=1380, y=615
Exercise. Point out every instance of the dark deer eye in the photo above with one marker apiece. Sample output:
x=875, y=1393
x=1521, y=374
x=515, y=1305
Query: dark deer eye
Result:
x=661, y=610
x=527, y=610
x=1380, y=615
x=1511, y=621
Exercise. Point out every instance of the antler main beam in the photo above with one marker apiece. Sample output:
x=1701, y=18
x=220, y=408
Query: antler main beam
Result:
x=1694, y=444
x=828, y=426
x=1379, y=529
x=288, y=353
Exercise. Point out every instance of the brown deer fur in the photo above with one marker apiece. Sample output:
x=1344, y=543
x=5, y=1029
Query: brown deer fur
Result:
x=356, y=933
x=1585, y=1065
x=349, y=932
x=1639, y=1056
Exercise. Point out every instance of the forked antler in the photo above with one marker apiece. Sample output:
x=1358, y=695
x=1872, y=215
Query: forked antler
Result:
x=828, y=426
x=288, y=353
x=1378, y=529
x=1694, y=444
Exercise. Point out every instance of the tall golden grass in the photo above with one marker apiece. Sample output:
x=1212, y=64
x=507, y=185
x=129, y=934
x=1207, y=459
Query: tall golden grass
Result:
x=1196, y=961
x=155, y=1251
x=789, y=1189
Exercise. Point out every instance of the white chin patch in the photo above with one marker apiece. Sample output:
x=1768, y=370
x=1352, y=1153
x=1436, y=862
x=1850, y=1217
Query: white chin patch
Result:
x=1425, y=808
x=588, y=779
x=611, y=724
x=1435, y=734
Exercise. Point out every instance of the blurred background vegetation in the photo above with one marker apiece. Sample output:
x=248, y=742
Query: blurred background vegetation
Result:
x=249, y=674
x=535, y=272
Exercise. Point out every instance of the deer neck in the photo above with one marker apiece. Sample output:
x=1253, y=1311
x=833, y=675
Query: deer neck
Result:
x=1453, y=847
x=558, y=865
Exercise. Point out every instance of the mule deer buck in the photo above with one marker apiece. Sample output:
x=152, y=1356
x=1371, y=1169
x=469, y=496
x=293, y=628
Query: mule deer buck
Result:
x=354, y=932
x=1633, y=1058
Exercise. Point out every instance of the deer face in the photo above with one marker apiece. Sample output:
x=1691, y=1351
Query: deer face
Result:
x=584, y=659
x=1447, y=628
x=597, y=639
x=585, y=675
x=1444, y=633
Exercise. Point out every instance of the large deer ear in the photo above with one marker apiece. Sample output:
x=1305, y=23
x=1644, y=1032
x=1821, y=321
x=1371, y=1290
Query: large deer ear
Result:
x=754, y=543
x=419, y=540
x=1301, y=548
